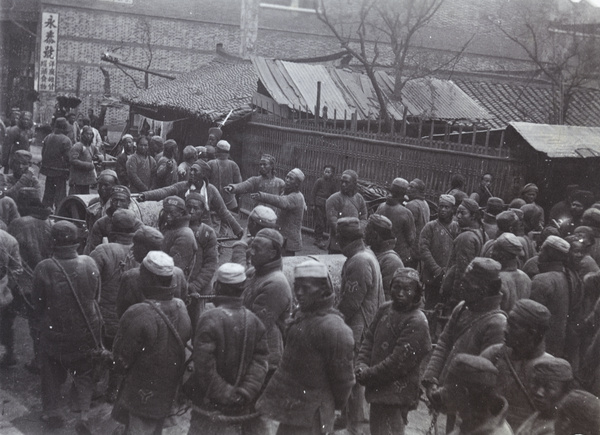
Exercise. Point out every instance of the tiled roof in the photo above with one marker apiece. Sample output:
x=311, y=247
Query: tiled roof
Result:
x=531, y=103
x=560, y=141
x=208, y=93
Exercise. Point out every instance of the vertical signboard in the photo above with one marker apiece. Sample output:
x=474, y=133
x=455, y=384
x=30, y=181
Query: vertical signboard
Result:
x=48, y=48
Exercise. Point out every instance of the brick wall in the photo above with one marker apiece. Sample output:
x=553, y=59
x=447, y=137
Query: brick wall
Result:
x=182, y=45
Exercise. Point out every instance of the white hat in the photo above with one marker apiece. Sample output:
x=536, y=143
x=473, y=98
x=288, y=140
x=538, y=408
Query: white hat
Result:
x=231, y=273
x=159, y=263
x=264, y=215
x=297, y=173
x=311, y=269
x=223, y=145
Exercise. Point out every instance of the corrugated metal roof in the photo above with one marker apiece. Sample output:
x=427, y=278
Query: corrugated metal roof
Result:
x=435, y=98
x=560, y=141
x=295, y=85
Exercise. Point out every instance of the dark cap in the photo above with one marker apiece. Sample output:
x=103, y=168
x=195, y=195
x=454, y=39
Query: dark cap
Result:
x=531, y=313
x=473, y=370
x=61, y=125
x=120, y=191
x=553, y=369
x=349, y=227
x=271, y=234
x=174, y=201
x=510, y=243
x=380, y=221
x=494, y=206
x=123, y=221
x=470, y=205
x=64, y=234
x=149, y=237
x=483, y=269
x=23, y=156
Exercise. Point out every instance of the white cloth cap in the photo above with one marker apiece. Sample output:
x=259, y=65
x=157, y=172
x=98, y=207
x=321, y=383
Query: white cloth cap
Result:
x=159, y=263
x=311, y=269
x=231, y=273
x=297, y=173
x=223, y=145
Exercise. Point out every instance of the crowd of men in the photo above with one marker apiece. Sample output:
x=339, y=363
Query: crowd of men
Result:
x=499, y=304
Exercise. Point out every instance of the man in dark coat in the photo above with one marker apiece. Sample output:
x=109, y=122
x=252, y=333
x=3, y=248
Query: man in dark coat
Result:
x=551, y=381
x=403, y=221
x=66, y=289
x=360, y=297
x=128, y=150
x=166, y=165
x=82, y=157
x=230, y=361
x=17, y=138
x=379, y=237
x=55, y=163
x=120, y=198
x=578, y=413
x=290, y=206
x=420, y=211
x=559, y=289
x=515, y=283
x=141, y=168
x=391, y=353
x=96, y=208
x=482, y=192
x=179, y=241
x=435, y=247
x=466, y=247
x=470, y=390
x=10, y=269
x=315, y=376
x=33, y=232
x=260, y=217
x=145, y=239
x=265, y=181
x=493, y=208
x=224, y=172
x=525, y=345
x=22, y=176
x=348, y=202
x=476, y=323
x=207, y=256
x=268, y=293
x=198, y=182
x=113, y=259
x=150, y=346
x=324, y=187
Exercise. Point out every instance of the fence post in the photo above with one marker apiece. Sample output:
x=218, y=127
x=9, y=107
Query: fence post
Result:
x=354, y=122
x=474, y=133
x=404, y=115
x=318, y=105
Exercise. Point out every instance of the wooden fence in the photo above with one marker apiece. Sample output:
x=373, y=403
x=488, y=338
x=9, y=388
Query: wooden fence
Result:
x=377, y=157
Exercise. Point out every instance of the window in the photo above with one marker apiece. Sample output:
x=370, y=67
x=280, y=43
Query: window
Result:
x=290, y=5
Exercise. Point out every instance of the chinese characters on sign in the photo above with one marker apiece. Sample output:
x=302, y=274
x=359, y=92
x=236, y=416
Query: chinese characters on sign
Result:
x=48, y=47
